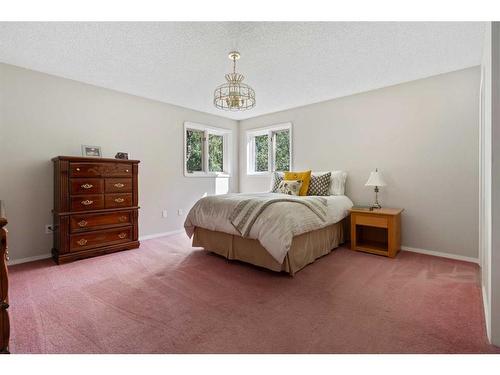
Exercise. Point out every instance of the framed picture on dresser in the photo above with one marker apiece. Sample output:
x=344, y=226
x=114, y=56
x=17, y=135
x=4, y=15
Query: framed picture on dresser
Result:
x=91, y=151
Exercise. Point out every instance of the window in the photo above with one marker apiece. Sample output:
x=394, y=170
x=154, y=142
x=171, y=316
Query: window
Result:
x=215, y=153
x=269, y=149
x=261, y=153
x=194, y=150
x=206, y=150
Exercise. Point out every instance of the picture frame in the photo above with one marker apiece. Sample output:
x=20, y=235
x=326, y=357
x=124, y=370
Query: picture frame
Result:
x=122, y=155
x=91, y=151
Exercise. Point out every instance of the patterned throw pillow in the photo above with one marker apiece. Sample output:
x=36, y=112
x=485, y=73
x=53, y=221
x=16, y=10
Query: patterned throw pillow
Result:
x=304, y=176
x=320, y=184
x=278, y=177
x=290, y=187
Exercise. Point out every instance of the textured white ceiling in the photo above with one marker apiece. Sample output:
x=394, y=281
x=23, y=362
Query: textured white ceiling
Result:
x=289, y=64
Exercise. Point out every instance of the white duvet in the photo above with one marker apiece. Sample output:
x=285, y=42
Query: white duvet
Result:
x=274, y=228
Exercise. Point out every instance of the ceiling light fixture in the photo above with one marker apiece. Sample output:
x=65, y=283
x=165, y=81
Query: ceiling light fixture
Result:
x=234, y=95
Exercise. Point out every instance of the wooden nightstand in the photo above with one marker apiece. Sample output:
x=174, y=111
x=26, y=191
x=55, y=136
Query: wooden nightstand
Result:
x=377, y=232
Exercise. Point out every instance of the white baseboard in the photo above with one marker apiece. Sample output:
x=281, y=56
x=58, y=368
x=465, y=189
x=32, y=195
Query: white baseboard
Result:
x=163, y=234
x=440, y=254
x=486, y=313
x=29, y=259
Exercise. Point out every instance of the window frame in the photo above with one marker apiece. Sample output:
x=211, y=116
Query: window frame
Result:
x=226, y=149
x=271, y=162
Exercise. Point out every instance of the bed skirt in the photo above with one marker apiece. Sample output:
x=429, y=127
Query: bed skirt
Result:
x=305, y=249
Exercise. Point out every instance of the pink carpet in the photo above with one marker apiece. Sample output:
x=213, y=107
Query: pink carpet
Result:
x=169, y=298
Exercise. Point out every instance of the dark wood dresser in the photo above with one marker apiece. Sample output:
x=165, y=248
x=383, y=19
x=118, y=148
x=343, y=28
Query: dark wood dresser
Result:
x=4, y=285
x=95, y=207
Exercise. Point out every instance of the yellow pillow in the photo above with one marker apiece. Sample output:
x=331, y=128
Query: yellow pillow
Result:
x=304, y=176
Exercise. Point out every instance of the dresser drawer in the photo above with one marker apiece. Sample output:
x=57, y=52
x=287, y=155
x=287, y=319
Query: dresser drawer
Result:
x=87, y=202
x=79, y=223
x=118, y=200
x=100, y=170
x=372, y=221
x=118, y=185
x=87, y=185
x=89, y=240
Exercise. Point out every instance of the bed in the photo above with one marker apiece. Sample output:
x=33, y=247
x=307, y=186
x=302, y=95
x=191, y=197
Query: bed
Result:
x=286, y=236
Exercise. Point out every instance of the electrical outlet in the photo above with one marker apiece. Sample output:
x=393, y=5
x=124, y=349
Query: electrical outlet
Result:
x=164, y=214
x=180, y=212
x=49, y=229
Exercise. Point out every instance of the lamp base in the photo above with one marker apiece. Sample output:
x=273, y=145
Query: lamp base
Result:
x=375, y=205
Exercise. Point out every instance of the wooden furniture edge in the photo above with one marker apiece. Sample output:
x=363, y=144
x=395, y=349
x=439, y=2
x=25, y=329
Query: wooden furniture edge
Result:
x=378, y=211
x=102, y=210
x=93, y=159
x=4, y=302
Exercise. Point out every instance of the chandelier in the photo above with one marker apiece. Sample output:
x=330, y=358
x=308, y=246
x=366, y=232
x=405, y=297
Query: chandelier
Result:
x=234, y=95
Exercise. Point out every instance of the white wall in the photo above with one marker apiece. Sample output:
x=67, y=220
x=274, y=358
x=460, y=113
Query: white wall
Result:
x=485, y=177
x=494, y=255
x=490, y=182
x=42, y=116
x=423, y=136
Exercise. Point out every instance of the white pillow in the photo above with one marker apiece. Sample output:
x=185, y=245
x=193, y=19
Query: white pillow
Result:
x=337, y=182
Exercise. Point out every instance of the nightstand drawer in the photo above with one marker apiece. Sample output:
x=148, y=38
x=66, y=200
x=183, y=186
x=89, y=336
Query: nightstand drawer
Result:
x=371, y=221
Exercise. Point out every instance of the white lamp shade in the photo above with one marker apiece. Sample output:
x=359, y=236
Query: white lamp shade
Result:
x=375, y=179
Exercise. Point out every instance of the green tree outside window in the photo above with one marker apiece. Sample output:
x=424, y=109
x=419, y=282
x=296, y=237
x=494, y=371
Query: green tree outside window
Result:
x=194, y=150
x=215, y=153
x=261, y=153
x=282, y=151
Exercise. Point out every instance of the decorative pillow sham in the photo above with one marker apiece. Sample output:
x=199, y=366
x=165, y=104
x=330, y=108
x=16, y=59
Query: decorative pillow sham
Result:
x=320, y=184
x=278, y=177
x=305, y=177
x=338, y=180
x=290, y=187
x=338, y=183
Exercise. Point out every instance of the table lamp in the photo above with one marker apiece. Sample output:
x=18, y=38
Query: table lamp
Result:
x=376, y=180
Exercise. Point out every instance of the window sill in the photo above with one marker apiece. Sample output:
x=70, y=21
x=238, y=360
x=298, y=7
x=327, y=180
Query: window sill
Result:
x=259, y=174
x=207, y=175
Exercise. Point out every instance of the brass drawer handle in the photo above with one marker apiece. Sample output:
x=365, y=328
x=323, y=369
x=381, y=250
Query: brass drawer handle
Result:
x=126, y=170
x=78, y=169
x=87, y=186
x=82, y=242
x=122, y=218
x=119, y=200
x=122, y=235
x=118, y=185
x=82, y=223
x=87, y=202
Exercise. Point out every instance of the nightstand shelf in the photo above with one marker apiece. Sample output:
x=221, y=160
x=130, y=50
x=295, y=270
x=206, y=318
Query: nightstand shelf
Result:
x=379, y=247
x=376, y=232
